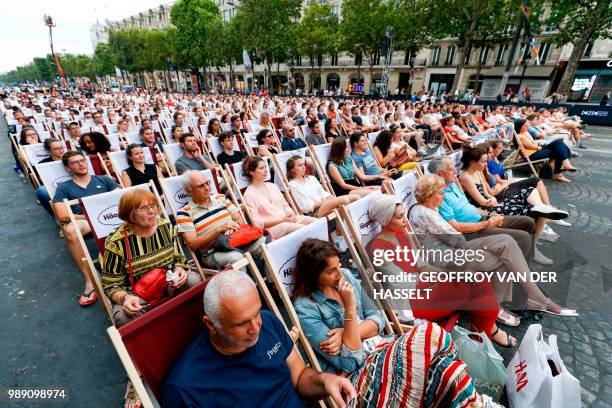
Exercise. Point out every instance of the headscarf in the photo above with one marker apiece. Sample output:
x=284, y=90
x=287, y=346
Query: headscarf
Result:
x=382, y=209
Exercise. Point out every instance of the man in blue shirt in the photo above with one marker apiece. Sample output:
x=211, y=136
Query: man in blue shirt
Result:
x=82, y=185
x=474, y=222
x=245, y=358
x=290, y=142
x=366, y=162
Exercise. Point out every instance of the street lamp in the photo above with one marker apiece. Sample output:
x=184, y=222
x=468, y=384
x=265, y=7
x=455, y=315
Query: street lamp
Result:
x=49, y=23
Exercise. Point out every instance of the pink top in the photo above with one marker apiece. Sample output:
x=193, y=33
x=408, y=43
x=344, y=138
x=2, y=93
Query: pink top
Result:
x=266, y=203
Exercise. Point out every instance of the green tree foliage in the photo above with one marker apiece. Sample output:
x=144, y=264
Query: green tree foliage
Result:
x=363, y=27
x=228, y=49
x=578, y=22
x=196, y=22
x=104, y=60
x=318, y=33
x=269, y=26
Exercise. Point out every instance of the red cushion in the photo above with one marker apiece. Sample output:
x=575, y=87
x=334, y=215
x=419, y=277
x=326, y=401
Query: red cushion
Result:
x=156, y=339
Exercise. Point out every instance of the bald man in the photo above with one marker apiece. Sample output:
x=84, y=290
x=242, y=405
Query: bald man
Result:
x=245, y=357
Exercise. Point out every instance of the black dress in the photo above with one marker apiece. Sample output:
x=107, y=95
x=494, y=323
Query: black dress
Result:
x=150, y=173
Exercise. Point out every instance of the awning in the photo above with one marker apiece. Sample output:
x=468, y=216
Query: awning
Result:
x=532, y=71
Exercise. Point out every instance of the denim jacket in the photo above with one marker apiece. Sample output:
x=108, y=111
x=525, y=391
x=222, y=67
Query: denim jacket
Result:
x=319, y=314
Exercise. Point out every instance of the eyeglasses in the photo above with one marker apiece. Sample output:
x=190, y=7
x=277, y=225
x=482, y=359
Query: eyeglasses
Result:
x=268, y=135
x=205, y=184
x=147, y=208
x=80, y=161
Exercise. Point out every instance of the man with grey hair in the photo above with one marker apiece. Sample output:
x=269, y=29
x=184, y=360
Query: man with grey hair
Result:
x=205, y=218
x=245, y=357
x=474, y=222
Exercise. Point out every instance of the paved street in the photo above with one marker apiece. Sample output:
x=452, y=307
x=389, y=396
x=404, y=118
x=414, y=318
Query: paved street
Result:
x=48, y=341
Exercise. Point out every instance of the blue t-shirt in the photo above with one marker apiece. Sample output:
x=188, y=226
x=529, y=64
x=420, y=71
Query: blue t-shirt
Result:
x=367, y=162
x=71, y=191
x=533, y=131
x=292, y=144
x=259, y=377
x=456, y=206
x=495, y=168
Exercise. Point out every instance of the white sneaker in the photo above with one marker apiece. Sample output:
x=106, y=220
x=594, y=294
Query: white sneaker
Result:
x=548, y=230
x=487, y=402
x=549, y=237
x=538, y=257
x=548, y=211
x=563, y=223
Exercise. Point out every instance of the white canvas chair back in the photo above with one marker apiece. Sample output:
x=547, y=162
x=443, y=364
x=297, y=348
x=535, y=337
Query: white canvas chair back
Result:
x=283, y=251
x=203, y=130
x=54, y=173
x=155, y=125
x=36, y=152
x=44, y=135
x=251, y=140
x=456, y=158
x=372, y=138
x=253, y=124
x=241, y=181
x=174, y=151
x=358, y=213
x=227, y=127
x=39, y=127
x=215, y=146
x=113, y=138
x=322, y=154
x=282, y=159
x=404, y=188
x=175, y=195
x=112, y=127
x=133, y=137
x=305, y=130
x=120, y=163
x=102, y=209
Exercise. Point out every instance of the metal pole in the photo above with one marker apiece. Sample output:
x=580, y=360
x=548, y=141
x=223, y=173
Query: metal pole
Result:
x=517, y=35
x=49, y=23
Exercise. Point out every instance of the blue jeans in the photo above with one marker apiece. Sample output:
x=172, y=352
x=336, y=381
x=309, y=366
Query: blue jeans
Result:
x=43, y=196
x=555, y=150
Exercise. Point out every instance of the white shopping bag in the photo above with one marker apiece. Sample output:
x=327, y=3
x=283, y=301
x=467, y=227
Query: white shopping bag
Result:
x=537, y=377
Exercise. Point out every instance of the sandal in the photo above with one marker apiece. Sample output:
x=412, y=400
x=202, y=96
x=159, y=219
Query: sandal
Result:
x=543, y=307
x=510, y=341
x=87, y=295
x=512, y=320
x=131, y=399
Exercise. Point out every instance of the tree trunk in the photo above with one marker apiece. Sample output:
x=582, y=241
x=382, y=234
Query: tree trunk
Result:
x=461, y=56
x=231, y=75
x=269, y=65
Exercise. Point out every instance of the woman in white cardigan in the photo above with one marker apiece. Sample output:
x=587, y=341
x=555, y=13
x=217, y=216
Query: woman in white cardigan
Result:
x=309, y=195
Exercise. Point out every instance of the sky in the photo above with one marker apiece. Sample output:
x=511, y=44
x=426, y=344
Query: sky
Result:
x=23, y=34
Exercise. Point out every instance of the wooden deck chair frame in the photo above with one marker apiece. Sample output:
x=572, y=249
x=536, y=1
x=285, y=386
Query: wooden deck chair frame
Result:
x=118, y=171
x=521, y=159
x=281, y=176
x=170, y=202
x=366, y=268
x=147, y=399
x=444, y=137
x=321, y=169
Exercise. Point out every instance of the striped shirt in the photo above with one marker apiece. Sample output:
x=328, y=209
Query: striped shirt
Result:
x=199, y=219
x=160, y=250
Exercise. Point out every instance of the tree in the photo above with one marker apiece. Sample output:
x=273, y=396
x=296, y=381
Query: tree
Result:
x=196, y=21
x=578, y=22
x=104, y=60
x=363, y=27
x=229, y=46
x=317, y=35
x=268, y=26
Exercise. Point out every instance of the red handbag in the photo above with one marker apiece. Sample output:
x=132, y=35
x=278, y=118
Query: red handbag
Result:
x=240, y=239
x=152, y=285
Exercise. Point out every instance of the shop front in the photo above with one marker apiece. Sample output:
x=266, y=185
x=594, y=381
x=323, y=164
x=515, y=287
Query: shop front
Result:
x=592, y=81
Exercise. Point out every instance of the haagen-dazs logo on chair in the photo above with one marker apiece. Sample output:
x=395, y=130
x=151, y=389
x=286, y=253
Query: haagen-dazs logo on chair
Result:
x=181, y=197
x=109, y=216
x=60, y=180
x=286, y=272
x=407, y=196
x=366, y=225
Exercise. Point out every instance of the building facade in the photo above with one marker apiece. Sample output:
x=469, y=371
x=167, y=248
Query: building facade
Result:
x=431, y=69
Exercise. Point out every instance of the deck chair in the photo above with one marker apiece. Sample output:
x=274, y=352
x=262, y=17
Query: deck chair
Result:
x=250, y=143
x=178, y=322
x=445, y=141
x=133, y=137
x=361, y=229
x=174, y=151
x=176, y=198
x=237, y=184
x=320, y=157
x=215, y=147
x=53, y=173
x=100, y=211
x=517, y=158
x=33, y=155
x=279, y=162
x=119, y=162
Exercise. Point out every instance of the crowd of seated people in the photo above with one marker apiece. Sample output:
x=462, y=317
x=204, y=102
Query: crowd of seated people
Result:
x=341, y=322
